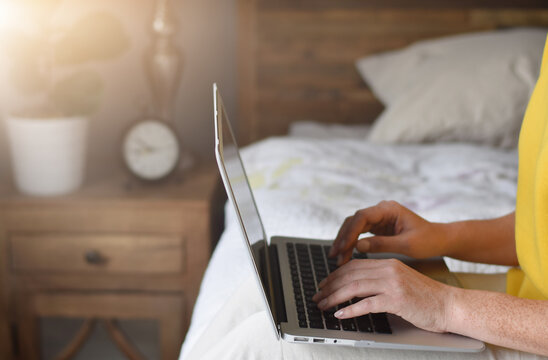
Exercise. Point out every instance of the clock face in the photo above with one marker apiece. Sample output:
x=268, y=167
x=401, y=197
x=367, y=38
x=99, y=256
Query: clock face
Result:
x=151, y=150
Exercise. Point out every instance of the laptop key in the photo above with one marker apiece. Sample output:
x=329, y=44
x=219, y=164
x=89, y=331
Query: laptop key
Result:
x=303, y=324
x=315, y=314
x=321, y=274
x=316, y=324
x=316, y=250
x=315, y=317
x=348, y=325
x=329, y=314
x=364, y=324
x=332, y=265
x=311, y=305
x=313, y=310
x=332, y=325
x=380, y=323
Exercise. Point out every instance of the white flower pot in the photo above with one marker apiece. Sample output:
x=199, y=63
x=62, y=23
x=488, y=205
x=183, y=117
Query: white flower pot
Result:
x=48, y=155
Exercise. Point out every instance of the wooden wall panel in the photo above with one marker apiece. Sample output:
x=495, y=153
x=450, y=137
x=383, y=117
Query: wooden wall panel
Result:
x=297, y=57
x=318, y=5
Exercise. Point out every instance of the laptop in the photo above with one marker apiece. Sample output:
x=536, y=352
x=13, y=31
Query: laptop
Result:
x=288, y=271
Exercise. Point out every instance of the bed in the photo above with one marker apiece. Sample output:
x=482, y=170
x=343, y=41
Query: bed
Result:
x=344, y=104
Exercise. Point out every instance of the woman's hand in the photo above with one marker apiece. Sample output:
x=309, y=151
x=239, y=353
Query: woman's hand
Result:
x=387, y=286
x=396, y=229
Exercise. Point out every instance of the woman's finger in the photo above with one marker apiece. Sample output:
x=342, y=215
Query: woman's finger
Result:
x=341, y=235
x=355, y=270
x=337, y=282
x=361, y=222
x=356, y=288
x=375, y=244
x=372, y=304
x=362, y=264
x=379, y=219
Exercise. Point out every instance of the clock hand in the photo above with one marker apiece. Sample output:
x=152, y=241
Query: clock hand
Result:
x=145, y=146
x=138, y=152
x=168, y=146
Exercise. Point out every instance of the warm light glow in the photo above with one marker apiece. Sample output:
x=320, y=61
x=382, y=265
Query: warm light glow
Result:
x=8, y=11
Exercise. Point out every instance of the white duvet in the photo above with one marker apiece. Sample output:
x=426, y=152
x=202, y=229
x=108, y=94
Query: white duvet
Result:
x=305, y=187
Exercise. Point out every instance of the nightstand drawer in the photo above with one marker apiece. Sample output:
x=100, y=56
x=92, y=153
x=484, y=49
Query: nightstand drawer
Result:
x=97, y=253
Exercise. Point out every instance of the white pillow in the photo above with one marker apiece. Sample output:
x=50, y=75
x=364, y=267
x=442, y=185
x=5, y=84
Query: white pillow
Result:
x=472, y=87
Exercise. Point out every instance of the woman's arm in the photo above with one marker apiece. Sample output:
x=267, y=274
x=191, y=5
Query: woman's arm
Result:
x=487, y=241
x=397, y=229
x=393, y=287
x=500, y=319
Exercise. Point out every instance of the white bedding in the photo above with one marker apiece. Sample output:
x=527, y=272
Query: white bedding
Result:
x=306, y=186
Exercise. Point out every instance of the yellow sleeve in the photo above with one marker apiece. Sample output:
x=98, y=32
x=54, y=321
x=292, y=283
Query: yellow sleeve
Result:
x=531, y=230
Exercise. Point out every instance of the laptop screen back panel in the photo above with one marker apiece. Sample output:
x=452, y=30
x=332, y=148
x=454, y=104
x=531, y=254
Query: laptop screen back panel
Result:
x=240, y=195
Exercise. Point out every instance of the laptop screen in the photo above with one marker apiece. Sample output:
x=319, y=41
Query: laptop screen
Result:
x=238, y=182
x=240, y=194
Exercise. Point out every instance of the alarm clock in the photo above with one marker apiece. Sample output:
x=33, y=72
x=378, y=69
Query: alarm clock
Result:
x=151, y=150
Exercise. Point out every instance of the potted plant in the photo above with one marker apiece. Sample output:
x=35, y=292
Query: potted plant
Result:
x=56, y=90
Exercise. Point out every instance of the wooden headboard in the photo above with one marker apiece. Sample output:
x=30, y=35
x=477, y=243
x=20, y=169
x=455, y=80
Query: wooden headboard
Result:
x=296, y=57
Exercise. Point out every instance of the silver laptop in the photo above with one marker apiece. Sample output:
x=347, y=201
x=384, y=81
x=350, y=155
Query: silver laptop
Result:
x=289, y=269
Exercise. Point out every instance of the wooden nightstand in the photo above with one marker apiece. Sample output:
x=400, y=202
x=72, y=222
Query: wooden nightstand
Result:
x=109, y=252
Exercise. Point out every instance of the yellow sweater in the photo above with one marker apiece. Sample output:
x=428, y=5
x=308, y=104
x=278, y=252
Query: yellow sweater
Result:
x=532, y=197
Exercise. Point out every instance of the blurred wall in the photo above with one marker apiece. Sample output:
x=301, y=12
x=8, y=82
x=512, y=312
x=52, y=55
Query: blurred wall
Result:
x=207, y=36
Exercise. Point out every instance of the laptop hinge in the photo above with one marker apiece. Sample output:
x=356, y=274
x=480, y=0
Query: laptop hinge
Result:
x=265, y=274
x=277, y=288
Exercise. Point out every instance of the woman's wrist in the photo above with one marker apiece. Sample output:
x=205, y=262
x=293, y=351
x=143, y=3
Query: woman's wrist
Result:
x=453, y=309
x=447, y=235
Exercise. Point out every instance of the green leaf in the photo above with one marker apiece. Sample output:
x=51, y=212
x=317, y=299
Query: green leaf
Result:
x=96, y=37
x=78, y=94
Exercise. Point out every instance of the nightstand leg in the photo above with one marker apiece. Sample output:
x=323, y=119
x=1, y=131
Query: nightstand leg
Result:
x=29, y=335
x=78, y=341
x=121, y=340
x=171, y=336
x=5, y=336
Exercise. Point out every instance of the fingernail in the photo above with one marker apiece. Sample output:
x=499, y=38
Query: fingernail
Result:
x=339, y=314
x=316, y=296
x=322, y=283
x=322, y=303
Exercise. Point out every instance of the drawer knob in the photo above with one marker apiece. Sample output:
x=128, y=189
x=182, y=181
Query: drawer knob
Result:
x=94, y=257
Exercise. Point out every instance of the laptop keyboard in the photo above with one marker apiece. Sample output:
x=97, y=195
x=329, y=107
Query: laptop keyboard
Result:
x=309, y=265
